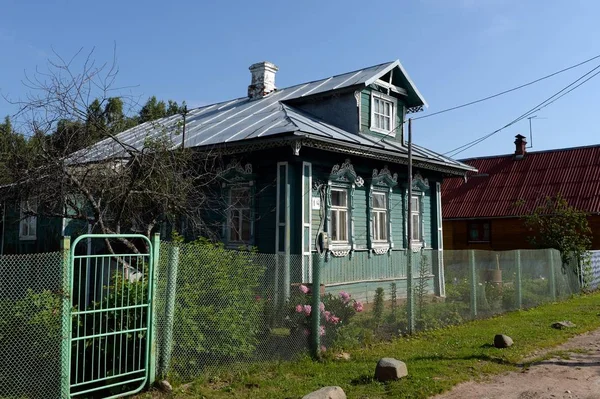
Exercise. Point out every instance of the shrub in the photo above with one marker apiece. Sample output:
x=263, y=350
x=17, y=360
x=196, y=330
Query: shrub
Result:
x=217, y=312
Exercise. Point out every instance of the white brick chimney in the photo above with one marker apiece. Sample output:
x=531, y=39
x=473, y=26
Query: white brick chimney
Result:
x=263, y=79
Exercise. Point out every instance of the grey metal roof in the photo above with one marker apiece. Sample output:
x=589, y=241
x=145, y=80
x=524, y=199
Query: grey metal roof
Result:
x=245, y=119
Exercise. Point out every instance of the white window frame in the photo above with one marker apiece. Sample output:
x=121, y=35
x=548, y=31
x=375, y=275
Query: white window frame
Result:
x=375, y=212
x=394, y=106
x=231, y=209
x=337, y=209
x=419, y=214
x=28, y=221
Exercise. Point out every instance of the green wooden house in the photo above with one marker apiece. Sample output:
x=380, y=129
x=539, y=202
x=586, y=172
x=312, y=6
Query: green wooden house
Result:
x=324, y=156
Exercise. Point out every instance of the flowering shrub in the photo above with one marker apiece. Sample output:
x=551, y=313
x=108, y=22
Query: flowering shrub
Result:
x=336, y=311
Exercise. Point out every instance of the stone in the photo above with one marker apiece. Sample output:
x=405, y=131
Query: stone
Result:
x=327, y=393
x=164, y=386
x=559, y=325
x=342, y=356
x=390, y=369
x=502, y=341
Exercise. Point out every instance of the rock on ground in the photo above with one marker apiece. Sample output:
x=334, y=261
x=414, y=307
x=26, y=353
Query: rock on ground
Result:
x=389, y=369
x=563, y=324
x=327, y=393
x=502, y=341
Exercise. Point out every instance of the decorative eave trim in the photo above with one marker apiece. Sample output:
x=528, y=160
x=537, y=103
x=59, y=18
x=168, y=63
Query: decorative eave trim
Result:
x=337, y=147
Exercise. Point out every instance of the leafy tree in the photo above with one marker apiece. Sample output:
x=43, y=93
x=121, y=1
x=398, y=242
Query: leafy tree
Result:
x=556, y=224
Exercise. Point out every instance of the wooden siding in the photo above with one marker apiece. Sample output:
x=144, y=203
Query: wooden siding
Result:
x=505, y=234
x=365, y=291
x=361, y=228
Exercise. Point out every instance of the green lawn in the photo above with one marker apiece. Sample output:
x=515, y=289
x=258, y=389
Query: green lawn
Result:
x=436, y=360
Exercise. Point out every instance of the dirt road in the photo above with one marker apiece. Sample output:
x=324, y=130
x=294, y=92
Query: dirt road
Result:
x=577, y=376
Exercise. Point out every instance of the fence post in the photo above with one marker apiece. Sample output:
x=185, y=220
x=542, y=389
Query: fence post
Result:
x=552, y=276
x=155, y=258
x=472, y=270
x=65, y=246
x=315, y=311
x=519, y=280
x=166, y=344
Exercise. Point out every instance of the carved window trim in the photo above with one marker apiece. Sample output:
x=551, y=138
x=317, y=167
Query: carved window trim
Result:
x=382, y=181
x=343, y=176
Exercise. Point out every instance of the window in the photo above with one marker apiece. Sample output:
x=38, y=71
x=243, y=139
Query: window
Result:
x=240, y=216
x=479, y=231
x=28, y=224
x=379, y=217
x=415, y=217
x=339, y=215
x=383, y=111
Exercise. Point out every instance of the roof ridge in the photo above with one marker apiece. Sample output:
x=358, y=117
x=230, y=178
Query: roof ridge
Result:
x=532, y=152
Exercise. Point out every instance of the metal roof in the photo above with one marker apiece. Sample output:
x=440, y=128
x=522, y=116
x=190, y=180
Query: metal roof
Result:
x=505, y=186
x=246, y=119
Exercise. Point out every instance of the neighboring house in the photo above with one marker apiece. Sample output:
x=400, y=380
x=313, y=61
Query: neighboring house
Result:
x=327, y=155
x=484, y=212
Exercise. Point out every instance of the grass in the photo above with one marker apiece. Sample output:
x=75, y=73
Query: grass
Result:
x=437, y=360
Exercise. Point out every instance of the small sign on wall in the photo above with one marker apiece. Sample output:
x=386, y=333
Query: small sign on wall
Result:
x=316, y=203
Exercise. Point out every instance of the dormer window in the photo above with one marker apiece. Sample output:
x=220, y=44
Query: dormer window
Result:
x=383, y=111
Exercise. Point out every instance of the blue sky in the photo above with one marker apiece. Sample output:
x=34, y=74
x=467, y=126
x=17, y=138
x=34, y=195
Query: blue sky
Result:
x=455, y=51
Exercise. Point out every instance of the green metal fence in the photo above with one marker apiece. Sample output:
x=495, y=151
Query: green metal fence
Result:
x=216, y=308
x=31, y=314
x=110, y=333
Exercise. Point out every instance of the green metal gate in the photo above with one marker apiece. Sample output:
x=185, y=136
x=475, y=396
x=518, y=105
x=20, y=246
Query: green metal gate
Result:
x=111, y=317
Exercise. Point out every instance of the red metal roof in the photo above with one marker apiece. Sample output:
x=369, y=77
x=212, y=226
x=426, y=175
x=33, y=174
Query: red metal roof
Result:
x=505, y=186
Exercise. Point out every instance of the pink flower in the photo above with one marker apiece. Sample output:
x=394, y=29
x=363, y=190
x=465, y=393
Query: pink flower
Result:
x=321, y=330
x=358, y=306
x=345, y=296
x=306, y=332
x=299, y=308
x=323, y=348
x=304, y=289
x=322, y=307
x=335, y=319
x=327, y=315
x=307, y=309
x=257, y=297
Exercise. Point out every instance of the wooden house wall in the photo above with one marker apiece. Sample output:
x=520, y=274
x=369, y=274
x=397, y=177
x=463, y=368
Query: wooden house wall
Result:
x=505, y=234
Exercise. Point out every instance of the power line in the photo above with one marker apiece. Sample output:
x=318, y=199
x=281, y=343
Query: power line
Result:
x=491, y=97
x=507, y=91
x=550, y=100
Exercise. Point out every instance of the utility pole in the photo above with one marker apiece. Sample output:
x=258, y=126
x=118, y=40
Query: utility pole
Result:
x=409, y=228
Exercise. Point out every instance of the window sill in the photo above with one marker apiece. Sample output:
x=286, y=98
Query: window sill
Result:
x=382, y=131
x=27, y=238
x=340, y=250
x=478, y=242
x=381, y=248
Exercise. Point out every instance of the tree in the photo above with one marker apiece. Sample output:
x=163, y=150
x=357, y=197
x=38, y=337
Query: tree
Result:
x=137, y=190
x=556, y=224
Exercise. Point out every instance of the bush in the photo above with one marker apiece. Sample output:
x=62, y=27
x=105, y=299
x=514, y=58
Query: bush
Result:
x=217, y=312
x=336, y=313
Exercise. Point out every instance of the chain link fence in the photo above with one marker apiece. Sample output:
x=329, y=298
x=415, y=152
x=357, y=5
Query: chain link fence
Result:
x=218, y=308
x=31, y=325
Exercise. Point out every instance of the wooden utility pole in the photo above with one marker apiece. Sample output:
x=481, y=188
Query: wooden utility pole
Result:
x=410, y=302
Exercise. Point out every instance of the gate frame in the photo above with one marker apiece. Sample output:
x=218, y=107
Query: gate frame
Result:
x=67, y=308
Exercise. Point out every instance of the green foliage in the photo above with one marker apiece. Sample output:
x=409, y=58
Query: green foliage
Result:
x=30, y=334
x=556, y=224
x=438, y=359
x=421, y=289
x=217, y=310
x=378, y=305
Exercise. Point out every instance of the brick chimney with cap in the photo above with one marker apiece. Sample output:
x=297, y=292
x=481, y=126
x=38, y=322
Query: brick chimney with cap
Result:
x=263, y=79
x=520, y=146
